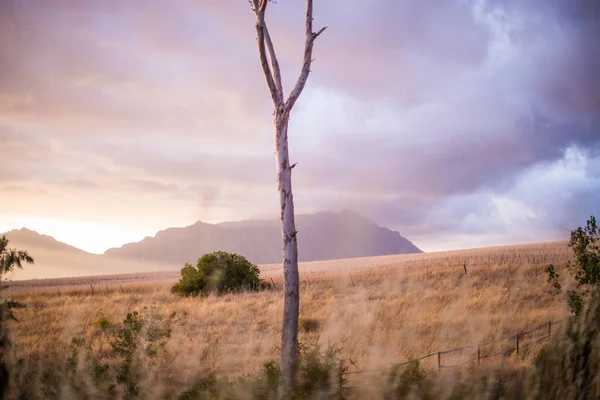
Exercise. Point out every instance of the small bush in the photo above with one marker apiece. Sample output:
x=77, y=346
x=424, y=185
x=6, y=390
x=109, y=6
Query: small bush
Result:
x=136, y=345
x=102, y=322
x=317, y=376
x=585, y=269
x=218, y=272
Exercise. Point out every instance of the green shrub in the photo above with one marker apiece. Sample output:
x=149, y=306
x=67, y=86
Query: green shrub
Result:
x=218, y=272
x=102, y=322
x=122, y=372
x=139, y=328
x=9, y=260
x=585, y=270
x=317, y=376
x=83, y=371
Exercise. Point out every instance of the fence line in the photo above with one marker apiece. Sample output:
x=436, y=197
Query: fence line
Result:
x=480, y=356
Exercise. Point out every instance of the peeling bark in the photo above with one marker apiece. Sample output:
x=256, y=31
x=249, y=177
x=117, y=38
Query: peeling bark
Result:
x=291, y=306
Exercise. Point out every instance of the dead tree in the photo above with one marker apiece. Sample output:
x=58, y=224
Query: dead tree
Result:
x=282, y=109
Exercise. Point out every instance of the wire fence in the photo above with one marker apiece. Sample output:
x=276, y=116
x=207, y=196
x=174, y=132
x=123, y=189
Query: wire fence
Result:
x=517, y=343
x=513, y=344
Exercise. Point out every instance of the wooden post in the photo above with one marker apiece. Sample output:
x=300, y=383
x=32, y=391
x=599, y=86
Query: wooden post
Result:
x=439, y=360
x=549, y=328
x=107, y=292
x=478, y=355
x=465, y=267
x=122, y=289
x=92, y=289
x=517, y=337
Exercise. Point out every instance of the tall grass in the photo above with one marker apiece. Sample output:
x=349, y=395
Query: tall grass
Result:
x=377, y=317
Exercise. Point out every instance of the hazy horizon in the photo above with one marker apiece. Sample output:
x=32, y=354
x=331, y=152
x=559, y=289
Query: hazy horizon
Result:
x=101, y=252
x=459, y=124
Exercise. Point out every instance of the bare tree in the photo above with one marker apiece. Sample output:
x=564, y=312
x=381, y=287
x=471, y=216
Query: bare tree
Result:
x=282, y=109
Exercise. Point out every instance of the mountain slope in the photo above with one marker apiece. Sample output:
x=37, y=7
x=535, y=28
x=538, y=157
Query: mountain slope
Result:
x=26, y=238
x=321, y=236
x=55, y=259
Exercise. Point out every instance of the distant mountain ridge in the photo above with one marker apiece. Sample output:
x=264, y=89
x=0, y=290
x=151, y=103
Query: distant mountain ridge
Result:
x=321, y=236
x=28, y=238
x=57, y=259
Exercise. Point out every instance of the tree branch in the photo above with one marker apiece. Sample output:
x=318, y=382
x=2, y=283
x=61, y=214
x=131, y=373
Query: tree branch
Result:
x=261, y=28
x=263, y=5
x=308, y=47
x=274, y=65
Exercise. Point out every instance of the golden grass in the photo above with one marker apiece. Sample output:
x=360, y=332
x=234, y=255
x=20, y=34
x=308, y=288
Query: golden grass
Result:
x=525, y=254
x=380, y=311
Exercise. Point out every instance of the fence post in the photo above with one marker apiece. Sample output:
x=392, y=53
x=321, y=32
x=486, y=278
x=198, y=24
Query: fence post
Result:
x=465, y=267
x=439, y=359
x=478, y=355
x=58, y=290
x=122, y=289
x=549, y=328
x=92, y=289
x=107, y=292
x=517, y=336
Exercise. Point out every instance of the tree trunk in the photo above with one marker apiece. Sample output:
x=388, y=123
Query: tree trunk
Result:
x=291, y=289
x=291, y=293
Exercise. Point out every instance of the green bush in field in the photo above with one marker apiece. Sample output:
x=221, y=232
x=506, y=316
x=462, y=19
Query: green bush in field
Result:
x=316, y=376
x=9, y=260
x=585, y=269
x=102, y=322
x=219, y=272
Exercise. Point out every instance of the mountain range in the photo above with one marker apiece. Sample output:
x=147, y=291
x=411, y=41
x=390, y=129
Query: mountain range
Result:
x=321, y=236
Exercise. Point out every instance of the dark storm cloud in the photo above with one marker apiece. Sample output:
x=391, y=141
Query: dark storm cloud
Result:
x=565, y=39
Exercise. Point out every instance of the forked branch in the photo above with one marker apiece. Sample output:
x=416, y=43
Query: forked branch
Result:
x=259, y=7
x=308, y=48
x=272, y=72
x=274, y=65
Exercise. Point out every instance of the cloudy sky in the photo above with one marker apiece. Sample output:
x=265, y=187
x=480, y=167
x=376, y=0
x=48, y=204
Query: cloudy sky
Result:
x=460, y=123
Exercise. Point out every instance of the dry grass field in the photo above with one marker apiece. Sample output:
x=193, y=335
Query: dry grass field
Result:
x=377, y=311
x=525, y=254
